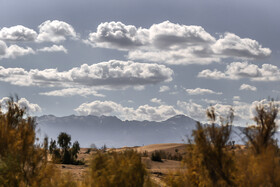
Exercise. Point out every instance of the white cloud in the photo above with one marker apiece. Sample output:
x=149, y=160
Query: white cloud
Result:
x=164, y=89
x=55, y=31
x=247, y=87
x=53, y=48
x=238, y=70
x=231, y=45
x=198, y=111
x=171, y=43
x=211, y=101
x=23, y=103
x=116, y=35
x=192, y=109
x=17, y=33
x=157, y=101
x=243, y=112
x=13, y=51
x=201, y=91
x=73, y=91
x=144, y=112
x=104, y=75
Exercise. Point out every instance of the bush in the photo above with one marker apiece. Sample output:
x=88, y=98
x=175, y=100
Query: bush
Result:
x=212, y=161
x=156, y=156
x=22, y=162
x=117, y=169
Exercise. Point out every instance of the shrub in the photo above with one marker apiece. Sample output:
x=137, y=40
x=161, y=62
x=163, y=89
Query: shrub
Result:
x=22, y=162
x=156, y=156
x=116, y=169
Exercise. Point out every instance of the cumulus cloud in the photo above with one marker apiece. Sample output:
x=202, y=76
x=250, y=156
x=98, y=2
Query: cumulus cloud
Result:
x=201, y=91
x=198, y=111
x=17, y=33
x=238, y=70
x=113, y=74
x=55, y=31
x=172, y=43
x=243, y=112
x=164, y=89
x=143, y=112
x=13, y=51
x=118, y=36
x=23, y=103
x=247, y=87
x=49, y=31
x=232, y=45
x=53, y=48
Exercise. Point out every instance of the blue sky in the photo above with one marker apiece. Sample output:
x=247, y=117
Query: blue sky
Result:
x=140, y=60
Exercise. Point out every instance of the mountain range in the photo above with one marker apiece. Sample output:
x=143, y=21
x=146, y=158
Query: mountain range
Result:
x=113, y=132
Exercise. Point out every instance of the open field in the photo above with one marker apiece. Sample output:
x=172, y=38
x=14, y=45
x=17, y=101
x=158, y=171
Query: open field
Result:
x=156, y=169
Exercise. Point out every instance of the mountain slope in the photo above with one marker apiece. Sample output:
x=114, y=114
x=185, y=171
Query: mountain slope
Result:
x=117, y=133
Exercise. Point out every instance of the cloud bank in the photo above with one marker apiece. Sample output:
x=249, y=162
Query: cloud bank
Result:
x=175, y=44
x=113, y=74
x=143, y=112
x=201, y=91
x=239, y=70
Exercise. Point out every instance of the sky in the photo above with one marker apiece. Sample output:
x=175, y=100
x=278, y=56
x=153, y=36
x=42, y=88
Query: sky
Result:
x=140, y=60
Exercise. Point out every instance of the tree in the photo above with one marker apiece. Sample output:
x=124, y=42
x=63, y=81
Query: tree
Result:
x=64, y=140
x=208, y=161
x=22, y=161
x=260, y=136
x=64, y=154
x=75, y=150
x=259, y=165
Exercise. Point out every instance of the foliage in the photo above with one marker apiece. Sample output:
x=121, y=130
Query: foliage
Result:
x=260, y=136
x=259, y=165
x=156, y=156
x=64, y=154
x=22, y=162
x=117, y=169
x=208, y=161
x=212, y=160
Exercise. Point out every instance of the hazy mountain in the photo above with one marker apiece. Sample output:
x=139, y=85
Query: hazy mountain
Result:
x=117, y=133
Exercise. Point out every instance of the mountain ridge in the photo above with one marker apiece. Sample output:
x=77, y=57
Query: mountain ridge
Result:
x=114, y=132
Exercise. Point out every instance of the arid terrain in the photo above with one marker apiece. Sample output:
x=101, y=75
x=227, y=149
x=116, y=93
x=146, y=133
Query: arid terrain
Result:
x=156, y=169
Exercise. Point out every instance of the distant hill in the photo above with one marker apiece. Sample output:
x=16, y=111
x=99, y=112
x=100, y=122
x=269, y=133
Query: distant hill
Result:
x=114, y=132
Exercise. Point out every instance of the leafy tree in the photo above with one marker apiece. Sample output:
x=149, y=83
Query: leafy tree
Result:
x=208, y=161
x=64, y=140
x=22, y=161
x=64, y=154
